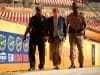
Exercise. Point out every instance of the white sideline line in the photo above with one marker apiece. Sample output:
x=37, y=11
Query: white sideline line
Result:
x=77, y=71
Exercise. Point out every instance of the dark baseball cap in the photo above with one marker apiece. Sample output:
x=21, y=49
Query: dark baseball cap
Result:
x=38, y=8
x=74, y=5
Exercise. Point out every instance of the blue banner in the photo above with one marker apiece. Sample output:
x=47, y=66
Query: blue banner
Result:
x=12, y=48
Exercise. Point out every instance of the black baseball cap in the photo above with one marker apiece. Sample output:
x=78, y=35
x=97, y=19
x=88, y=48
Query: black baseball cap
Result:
x=38, y=8
x=74, y=5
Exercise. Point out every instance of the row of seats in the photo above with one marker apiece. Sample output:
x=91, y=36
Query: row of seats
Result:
x=57, y=2
x=22, y=15
x=49, y=2
x=16, y=14
x=94, y=24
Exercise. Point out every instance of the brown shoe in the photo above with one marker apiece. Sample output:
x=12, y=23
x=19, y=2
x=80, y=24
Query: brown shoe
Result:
x=31, y=69
x=81, y=66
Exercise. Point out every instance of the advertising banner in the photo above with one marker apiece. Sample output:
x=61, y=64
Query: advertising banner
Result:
x=12, y=48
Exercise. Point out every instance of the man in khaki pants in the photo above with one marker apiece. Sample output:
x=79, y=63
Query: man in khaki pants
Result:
x=77, y=25
x=57, y=32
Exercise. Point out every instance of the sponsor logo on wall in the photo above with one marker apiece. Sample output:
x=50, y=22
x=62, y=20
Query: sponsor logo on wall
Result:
x=2, y=42
x=12, y=48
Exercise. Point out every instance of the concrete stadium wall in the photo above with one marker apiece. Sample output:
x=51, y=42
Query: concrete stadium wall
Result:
x=65, y=62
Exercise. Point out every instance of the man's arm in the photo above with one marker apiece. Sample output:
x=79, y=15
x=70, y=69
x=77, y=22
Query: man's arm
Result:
x=84, y=23
x=45, y=29
x=48, y=25
x=67, y=24
x=28, y=28
x=64, y=28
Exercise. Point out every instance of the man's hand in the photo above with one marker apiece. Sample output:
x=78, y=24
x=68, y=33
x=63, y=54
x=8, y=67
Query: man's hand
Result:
x=64, y=37
x=24, y=38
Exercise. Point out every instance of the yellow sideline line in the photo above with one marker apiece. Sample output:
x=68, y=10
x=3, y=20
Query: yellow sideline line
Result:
x=12, y=27
x=13, y=67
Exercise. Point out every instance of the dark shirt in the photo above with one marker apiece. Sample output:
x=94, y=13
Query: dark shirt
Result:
x=38, y=24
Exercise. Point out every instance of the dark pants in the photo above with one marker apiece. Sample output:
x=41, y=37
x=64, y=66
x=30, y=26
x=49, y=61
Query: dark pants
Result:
x=41, y=50
x=55, y=52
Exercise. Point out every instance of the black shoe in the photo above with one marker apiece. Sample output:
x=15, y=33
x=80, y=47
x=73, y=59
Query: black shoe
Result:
x=72, y=66
x=41, y=67
x=56, y=68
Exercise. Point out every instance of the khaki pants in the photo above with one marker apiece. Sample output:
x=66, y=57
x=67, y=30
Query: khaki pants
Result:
x=54, y=52
x=75, y=39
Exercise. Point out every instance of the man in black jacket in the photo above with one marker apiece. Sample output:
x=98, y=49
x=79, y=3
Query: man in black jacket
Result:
x=36, y=29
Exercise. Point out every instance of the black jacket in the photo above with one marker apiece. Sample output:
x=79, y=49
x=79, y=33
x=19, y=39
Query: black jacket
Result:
x=39, y=25
x=61, y=22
